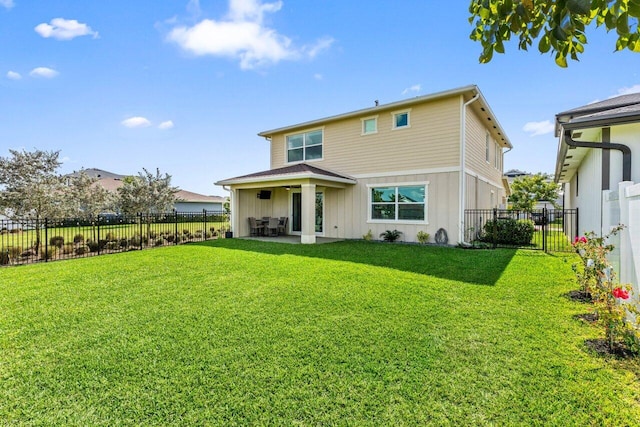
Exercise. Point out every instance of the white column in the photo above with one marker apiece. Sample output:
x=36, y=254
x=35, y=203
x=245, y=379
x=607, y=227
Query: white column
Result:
x=235, y=206
x=308, y=214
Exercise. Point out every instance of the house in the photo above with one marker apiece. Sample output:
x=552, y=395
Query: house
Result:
x=598, y=148
x=412, y=165
x=187, y=201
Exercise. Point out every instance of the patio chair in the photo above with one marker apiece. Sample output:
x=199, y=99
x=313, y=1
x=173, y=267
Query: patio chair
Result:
x=282, y=225
x=272, y=227
x=253, y=225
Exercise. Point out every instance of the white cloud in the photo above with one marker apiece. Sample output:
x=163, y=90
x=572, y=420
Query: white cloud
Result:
x=136, y=122
x=539, y=128
x=64, y=29
x=242, y=35
x=44, y=72
x=166, y=125
x=7, y=3
x=414, y=88
x=13, y=75
x=318, y=76
x=628, y=90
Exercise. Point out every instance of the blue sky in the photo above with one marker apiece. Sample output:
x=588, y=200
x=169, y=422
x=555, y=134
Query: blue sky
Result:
x=185, y=86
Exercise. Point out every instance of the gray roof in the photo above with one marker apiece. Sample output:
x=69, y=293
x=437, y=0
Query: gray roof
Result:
x=298, y=170
x=621, y=109
x=97, y=173
x=611, y=103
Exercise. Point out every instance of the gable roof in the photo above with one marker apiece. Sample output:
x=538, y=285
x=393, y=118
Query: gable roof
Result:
x=618, y=110
x=468, y=92
x=297, y=171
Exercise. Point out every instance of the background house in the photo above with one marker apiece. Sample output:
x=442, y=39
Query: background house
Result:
x=187, y=200
x=597, y=163
x=413, y=165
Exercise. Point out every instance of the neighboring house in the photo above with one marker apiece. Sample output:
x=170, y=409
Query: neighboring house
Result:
x=413, y=165
x=187, y=200
x=597, y=144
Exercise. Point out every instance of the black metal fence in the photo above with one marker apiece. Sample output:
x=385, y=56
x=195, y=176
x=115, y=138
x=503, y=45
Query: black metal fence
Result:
x=29, y=240
x=553, y=229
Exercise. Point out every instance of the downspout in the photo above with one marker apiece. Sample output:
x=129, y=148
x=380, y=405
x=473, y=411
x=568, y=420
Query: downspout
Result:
x=462, y=184
x=231, y=210
x=626, y=151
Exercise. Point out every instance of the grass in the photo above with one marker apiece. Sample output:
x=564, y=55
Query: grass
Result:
x=234, y=332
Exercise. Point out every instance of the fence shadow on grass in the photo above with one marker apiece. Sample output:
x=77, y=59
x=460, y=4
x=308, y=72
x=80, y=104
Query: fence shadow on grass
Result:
x=481, y=267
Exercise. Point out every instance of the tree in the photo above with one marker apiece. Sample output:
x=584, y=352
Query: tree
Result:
x=31, y=188
x=559, y=24
x=147, y=193
x=85, y=198
x=526, y=191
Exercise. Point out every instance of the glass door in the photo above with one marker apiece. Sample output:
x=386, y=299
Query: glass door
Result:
x=296, y=212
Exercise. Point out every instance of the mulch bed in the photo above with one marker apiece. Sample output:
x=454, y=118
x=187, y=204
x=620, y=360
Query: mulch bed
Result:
x=579, y=296
x=601, y=347
x=587, y=317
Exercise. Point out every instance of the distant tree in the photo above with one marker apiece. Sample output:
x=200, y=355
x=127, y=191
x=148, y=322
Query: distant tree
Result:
x=526, y=191
x=147, y=193
x=30, y=187
x=227, y=205
x=85, y=198
x=559, y=24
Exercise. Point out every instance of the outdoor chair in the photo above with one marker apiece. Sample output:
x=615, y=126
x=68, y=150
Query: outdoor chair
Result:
x=272, y=227
x=255, y=228
x=282, y=225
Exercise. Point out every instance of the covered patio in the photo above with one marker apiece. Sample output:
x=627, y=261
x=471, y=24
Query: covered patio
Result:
x=308, y=196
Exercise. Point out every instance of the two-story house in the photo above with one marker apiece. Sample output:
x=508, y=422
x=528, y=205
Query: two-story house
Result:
x=413, y=165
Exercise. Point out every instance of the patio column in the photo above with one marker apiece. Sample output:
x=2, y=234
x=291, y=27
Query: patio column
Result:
x=308, y=213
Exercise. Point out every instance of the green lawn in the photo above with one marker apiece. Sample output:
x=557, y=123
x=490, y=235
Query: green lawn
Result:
x=234, y=332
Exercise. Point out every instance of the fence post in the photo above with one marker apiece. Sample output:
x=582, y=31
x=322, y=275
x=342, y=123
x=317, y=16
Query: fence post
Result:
x=98, y=228
x=46, y=240
x=175, y=215
x=544, y=229
x=204, y=231
x=140, y=222
x=495, y=228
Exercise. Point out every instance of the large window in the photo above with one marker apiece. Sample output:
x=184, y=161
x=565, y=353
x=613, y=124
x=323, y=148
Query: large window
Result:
x=401, y=203
x=304, y=146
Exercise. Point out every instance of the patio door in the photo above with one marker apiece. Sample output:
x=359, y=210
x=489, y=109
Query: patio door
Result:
x=296, y=212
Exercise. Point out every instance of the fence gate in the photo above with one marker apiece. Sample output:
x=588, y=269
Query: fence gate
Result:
x=554, y=229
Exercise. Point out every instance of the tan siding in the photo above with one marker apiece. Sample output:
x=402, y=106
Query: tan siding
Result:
x=431, y=141
x=475, y=149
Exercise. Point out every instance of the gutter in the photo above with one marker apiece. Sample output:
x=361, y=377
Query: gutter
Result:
x=462, y=184
x=626, y=151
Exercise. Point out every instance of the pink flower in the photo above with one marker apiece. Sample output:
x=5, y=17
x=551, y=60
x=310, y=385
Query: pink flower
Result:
x=580, y=239
x=620, y=293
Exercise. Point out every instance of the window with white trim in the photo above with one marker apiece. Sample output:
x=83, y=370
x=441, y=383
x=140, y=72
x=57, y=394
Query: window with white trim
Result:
x=304, y=146
x=369, y=125
x=399, y=203
x=496, y=161
x=486, y=148
x=401, y=120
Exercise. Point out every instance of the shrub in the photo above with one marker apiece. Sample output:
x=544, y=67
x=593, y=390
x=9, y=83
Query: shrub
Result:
x=124, y=243
x=368, y=236
x=508, y=231
x=4, y=258
x=208, y=235
x=78, y=238
x=110, y=237
x=92, y=245
x=423, y=237
x=113, y=246
x=185, y=231
x=171, y=238
x=102, y=243
x=48, y=254
x=82, y=250
x=68, y=248
x=391, y=235
x=159, y=242
x=56, y=241
x=14, y=251
x=198, y=234
x=135, y=241
x=153, y=234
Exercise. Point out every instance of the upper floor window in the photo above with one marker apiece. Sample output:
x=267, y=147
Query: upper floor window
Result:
x=304, y=146
x=398, y=203
x=486, y=147
x=401, y=120
x=369, y=125
x=496, y=161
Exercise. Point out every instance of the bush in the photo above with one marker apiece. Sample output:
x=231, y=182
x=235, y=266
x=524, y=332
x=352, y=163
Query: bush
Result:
x=368, y=236
x=124, y=243
x=92, y=245
x=159, y=241
x=68, y=248
x=56, y=241
x=508, y=231
x=82, y=250
x=4, y=258
x=423, y=237
x=78, y=238
x=390, y=235
x=185, y=231
x=48, y=254
x=153, y=234
x=110, y=237
x=113, y=246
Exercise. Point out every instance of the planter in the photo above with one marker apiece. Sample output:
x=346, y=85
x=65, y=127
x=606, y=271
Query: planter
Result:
x=228, y=234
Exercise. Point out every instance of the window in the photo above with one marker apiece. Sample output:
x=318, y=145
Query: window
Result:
x=401, y=120
x=304, y=146
x=486, y=147
x=402, y=203
x=496, y=161
x=369, y=125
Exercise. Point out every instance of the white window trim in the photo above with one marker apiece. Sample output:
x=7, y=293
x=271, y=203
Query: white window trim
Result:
x=362, y=132
x=402, y=221
x=496, y=161
x=487, y=148
x=286, y=148
x=393, y=119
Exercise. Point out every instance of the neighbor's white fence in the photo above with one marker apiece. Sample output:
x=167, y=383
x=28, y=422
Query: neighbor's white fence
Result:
x=623, y=207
